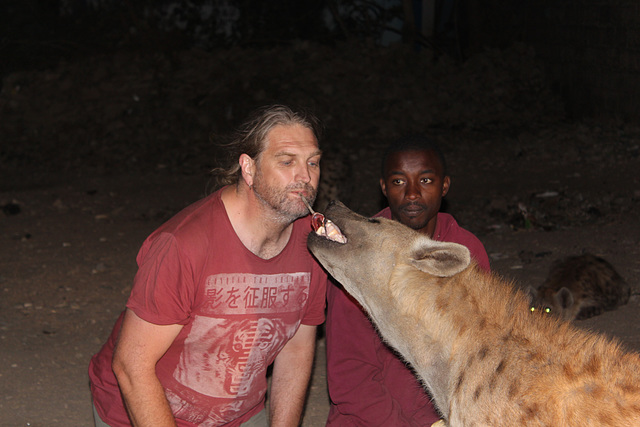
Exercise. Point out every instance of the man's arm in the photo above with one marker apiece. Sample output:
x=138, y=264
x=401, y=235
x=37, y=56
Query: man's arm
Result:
x=291, y=373
x=140, y=345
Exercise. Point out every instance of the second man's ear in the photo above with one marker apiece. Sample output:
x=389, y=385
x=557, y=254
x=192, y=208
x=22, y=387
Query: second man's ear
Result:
x=446, y=183
x=383, y=187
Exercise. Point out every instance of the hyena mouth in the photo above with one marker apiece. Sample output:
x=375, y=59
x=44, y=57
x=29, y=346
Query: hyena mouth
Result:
x=323, y=226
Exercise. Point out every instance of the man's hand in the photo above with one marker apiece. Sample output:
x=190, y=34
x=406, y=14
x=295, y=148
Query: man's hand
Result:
x=291, y=373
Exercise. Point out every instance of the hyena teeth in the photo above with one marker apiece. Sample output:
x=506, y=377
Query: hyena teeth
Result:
x=323, y=226
x=331, y=232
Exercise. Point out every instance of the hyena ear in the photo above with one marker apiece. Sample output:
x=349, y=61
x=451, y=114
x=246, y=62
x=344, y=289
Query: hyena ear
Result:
x=564, y=297
x=439, y=258
x=532, y=293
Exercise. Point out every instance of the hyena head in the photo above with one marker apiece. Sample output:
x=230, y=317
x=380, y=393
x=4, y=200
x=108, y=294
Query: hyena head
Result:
x=560, y=303
x=579, y=287
x=375, y=248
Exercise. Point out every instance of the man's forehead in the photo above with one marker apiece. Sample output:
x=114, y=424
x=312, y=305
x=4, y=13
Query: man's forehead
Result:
x=292, y=153
x=424, y=161
x=291, y=139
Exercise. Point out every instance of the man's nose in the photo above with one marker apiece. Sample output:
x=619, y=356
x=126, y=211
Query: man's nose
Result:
x=303, y=174
x=413, y=192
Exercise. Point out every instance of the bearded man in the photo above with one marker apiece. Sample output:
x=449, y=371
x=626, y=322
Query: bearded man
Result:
x=224, y=289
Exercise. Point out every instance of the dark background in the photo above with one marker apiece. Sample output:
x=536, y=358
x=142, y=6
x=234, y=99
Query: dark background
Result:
x=98, y=86
x=108, y=108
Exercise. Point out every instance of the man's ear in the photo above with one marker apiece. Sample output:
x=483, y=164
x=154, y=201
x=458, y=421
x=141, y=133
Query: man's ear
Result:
x=383, y=187
x=248, y=168
x=446, y=183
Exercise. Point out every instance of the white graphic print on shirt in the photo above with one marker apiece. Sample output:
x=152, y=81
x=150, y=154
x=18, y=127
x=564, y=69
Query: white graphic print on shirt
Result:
x=244, y=321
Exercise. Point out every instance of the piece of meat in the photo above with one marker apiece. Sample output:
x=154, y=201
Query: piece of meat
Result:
x=326, y=228
x=323, y=226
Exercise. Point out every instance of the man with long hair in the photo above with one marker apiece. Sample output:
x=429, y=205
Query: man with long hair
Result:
x=224, y=289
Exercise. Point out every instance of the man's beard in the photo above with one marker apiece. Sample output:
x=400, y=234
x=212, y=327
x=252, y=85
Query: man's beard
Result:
x=284, y=207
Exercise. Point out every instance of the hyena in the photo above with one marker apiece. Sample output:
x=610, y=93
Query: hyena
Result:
x=484, y=357
x=579, y=287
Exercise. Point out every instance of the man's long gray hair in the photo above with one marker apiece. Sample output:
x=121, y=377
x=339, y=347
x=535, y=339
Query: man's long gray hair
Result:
x=250, y=138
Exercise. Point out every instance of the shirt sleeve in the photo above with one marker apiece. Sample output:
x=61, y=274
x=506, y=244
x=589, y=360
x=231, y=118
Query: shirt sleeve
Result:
x=478, y=253
x=452, y=232
x=317, y=292
x=163, y=286
x=354, y=371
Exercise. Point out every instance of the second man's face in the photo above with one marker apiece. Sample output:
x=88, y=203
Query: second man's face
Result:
x=288, y=168
x=414, y=184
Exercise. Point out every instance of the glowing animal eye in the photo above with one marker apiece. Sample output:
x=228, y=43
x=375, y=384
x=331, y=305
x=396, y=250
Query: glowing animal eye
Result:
x=547, y=310
x=532, y=309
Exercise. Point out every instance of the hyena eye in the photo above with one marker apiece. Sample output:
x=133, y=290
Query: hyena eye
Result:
x=546, y=309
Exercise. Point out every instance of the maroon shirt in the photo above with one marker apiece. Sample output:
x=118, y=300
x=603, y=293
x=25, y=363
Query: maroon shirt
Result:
x=369, y=385
x=238, y=312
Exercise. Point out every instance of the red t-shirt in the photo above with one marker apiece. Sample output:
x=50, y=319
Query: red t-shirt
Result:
x=369, y=385
x=238, y=311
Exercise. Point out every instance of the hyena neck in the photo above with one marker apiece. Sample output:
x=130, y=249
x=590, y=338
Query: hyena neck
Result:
x=449, y=316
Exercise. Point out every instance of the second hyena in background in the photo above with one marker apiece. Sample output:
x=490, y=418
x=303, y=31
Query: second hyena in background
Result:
x=580, y=287
x=484, y=357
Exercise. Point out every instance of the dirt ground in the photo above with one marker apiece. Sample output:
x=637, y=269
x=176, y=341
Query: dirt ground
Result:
x=97, y=154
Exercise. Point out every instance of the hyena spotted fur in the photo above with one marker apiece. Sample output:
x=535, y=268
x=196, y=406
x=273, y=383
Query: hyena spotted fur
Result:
x=483, y=356
x=579, y=287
